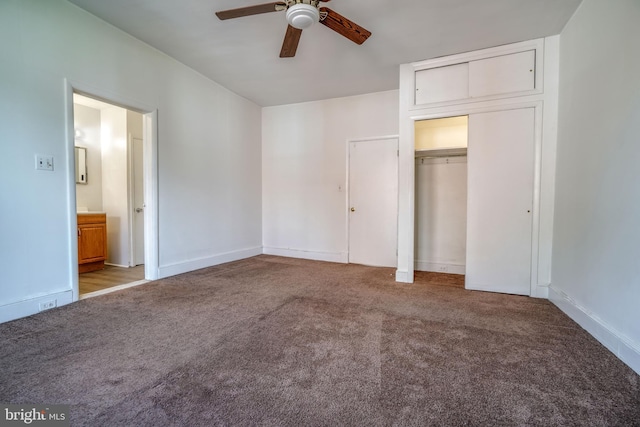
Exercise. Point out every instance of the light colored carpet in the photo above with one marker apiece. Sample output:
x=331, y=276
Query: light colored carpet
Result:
x=278, y=341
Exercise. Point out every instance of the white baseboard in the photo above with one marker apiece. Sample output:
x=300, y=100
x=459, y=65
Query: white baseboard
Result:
x=32, y=306
x=613, y=340
x=439, y=267
x=341, y=257
x=403, y=276
x=210, y=261
x=540, y=291
x=117, y=265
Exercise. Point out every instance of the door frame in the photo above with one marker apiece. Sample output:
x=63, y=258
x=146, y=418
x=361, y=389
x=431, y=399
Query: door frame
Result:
x=131, y=199
x=150, y=172
x=348, y=189
x=408, y=133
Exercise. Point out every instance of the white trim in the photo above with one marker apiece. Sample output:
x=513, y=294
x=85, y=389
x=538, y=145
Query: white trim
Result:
x=403, y=276
x=340, y=257
x=72, y=214
x=376, y=138
x=535, y=203
x=114, y=289
x=130, y=196
x=117, y=265
x=31, y=306
x=151, y=206
x=548, y=157
x=438, y=267
x=621, y=346
x=540, y=291
x=209, y=261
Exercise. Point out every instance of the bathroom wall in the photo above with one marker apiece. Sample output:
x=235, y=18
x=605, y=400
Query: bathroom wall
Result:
x=114, y=183
x=87, y=125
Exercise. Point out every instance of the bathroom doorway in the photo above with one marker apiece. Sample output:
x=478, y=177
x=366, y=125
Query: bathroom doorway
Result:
x=109, y=151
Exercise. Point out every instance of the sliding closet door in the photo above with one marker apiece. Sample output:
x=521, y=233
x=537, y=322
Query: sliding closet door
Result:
x=500, y=200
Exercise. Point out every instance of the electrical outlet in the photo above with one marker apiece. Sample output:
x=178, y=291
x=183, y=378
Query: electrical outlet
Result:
x=48, y=305
x=44, y=163
x=443, y=268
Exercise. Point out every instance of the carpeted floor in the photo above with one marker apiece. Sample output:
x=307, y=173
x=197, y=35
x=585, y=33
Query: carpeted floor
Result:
x=278, y=341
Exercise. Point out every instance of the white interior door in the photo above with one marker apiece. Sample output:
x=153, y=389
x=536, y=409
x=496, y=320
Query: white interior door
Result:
x=138, y=202
x=373, y=198
x=500, y=199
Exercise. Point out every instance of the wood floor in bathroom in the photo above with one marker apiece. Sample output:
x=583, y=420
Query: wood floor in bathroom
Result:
x=109, y=277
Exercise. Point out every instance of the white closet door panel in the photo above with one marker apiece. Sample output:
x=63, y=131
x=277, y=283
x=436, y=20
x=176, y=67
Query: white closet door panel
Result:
x=502, y=74
x=373, y=197
x=442, y=84
x=500, y=200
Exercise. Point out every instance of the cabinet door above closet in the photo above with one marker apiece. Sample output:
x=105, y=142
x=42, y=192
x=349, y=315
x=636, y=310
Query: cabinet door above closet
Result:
x=502, y=74
x=441, y=84
x=496, y=73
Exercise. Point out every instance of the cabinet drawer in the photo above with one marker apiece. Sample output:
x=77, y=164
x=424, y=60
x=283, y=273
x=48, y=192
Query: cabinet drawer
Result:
x=97, y=218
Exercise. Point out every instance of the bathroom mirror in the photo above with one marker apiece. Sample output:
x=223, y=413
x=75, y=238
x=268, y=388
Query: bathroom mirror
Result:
x=81, y=165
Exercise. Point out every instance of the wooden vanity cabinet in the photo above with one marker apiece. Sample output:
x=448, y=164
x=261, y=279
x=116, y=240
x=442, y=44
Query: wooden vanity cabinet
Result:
x=92, y=241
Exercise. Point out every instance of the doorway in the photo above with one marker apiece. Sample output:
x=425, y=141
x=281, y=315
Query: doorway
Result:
x=373, y=202
x=499, y=201
x=111, y=193
x=441, y=198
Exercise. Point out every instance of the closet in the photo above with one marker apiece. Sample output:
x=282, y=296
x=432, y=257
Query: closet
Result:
x=476, y=207
x=441, y=194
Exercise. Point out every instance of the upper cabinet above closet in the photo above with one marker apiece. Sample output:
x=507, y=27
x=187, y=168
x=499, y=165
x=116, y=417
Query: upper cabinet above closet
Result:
x=497, y=73
x=514, y=73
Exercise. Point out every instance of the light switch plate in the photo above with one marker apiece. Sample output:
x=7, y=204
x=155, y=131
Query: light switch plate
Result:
x=44, y=162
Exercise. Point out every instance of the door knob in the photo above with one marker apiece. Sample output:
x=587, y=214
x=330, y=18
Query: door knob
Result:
x=138, y=210
x=353, y=209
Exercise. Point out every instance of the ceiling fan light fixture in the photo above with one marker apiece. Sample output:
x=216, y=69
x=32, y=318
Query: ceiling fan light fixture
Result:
x=302, y=16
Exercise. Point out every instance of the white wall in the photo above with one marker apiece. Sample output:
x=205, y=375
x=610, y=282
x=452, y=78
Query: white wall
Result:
x=115, y=196
x=87, y=122
x=441, y=214
x=208, y=143
x=450, y=132
x=304, y=165
x=596, y=250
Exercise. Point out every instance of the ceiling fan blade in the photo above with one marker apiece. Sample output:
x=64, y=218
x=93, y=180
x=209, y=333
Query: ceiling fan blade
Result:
x=251, y=10
x=345, y=27
x=290, y=43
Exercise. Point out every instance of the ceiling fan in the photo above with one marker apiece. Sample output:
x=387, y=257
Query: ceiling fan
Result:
x=302, y=14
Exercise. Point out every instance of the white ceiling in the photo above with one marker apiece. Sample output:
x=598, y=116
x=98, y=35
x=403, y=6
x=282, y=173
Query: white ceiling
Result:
x=242, y=54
